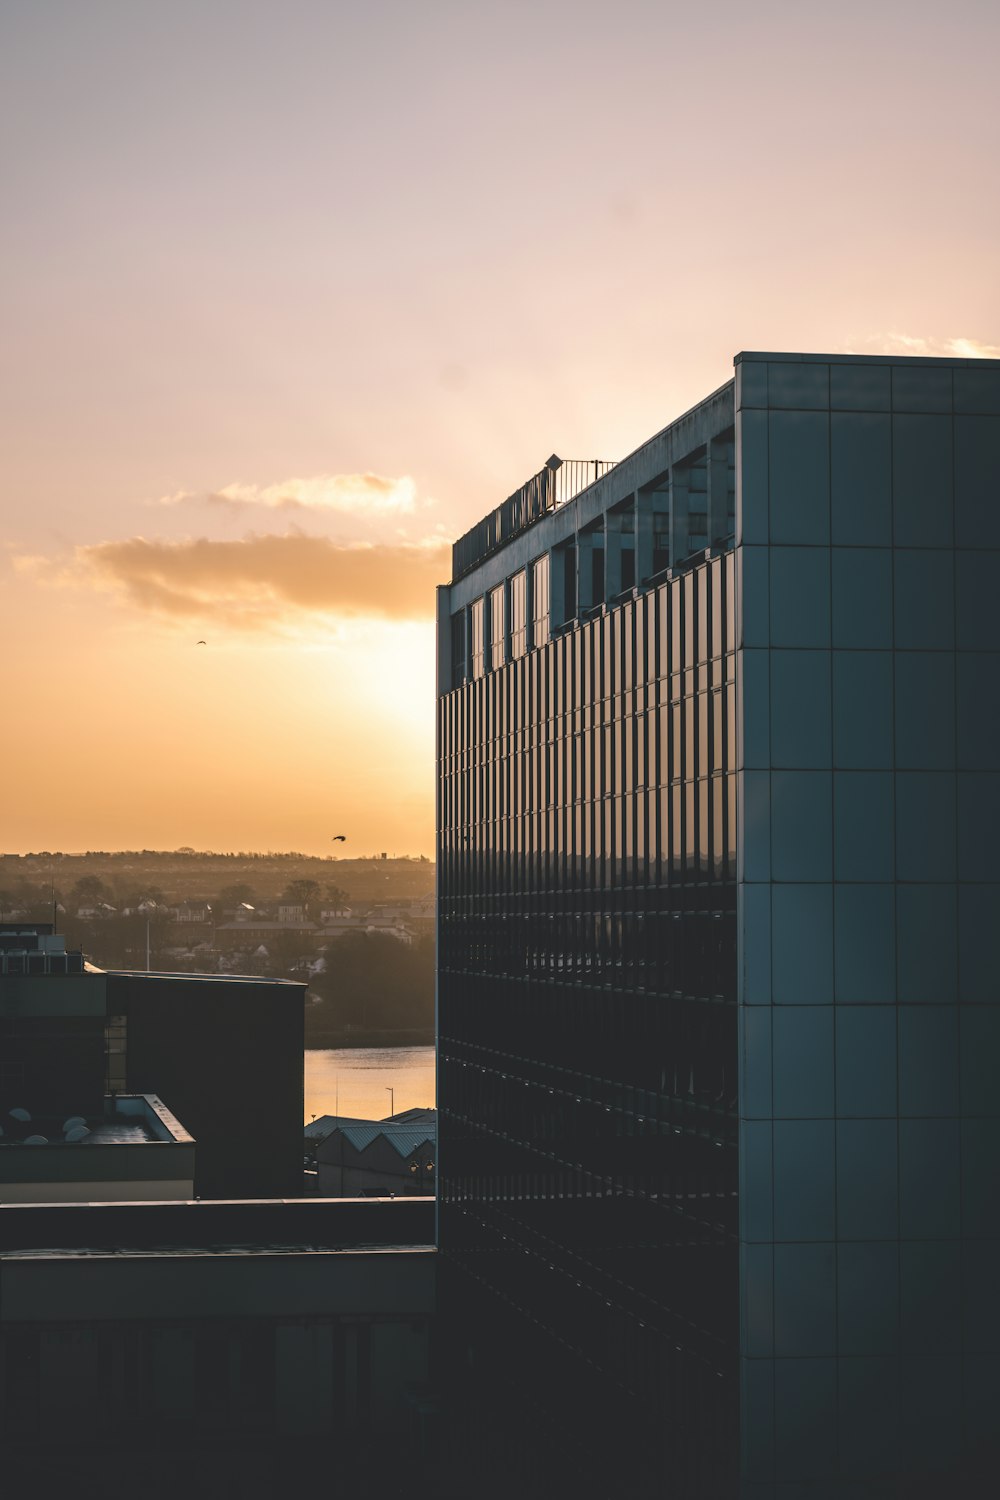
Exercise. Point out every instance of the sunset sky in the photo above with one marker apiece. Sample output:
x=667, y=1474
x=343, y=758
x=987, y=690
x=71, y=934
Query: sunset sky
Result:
x=292, y=294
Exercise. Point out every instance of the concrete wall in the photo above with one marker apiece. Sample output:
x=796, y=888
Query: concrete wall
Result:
x=52, y=1043
x=99, y=1190
x=227, y=1056
x=106, y=1358
x=52, y=994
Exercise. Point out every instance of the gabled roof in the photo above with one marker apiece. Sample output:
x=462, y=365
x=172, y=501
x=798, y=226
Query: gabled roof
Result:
x=404, y=1139
x=324, y=1125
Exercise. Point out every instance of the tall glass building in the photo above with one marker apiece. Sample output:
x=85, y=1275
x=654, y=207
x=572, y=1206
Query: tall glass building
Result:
x=718, y=1003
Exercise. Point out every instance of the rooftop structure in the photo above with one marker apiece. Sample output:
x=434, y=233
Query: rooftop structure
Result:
x=136, y=1150
x=558, y=481
x=35, y=949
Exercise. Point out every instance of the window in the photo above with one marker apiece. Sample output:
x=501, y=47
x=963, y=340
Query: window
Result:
x=628, y=563
x=597, y=575
x=497, y=627
x=458, y=662
x=661, y=541
x=519, y=614
x=478, y=644
x=115, y=1054
x=540, y=610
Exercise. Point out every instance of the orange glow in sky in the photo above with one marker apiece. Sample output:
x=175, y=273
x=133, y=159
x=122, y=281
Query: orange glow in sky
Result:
x=294, y=295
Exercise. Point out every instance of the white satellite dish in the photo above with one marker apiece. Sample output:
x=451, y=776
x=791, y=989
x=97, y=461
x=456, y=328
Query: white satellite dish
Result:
x=72, y=1123
x=36, y=1140
x=78, y=1133
x=19, y=1114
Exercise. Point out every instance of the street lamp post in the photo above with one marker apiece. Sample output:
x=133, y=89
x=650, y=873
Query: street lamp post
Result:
x=392, y=1100
x=417, y=1168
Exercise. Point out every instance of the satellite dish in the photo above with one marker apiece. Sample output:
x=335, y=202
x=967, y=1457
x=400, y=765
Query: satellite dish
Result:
x=78, y=1133
x=72, y=1123
x=36, y=1140
x=20, y=1114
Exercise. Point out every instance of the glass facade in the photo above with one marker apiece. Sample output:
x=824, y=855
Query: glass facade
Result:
x=587, y=1024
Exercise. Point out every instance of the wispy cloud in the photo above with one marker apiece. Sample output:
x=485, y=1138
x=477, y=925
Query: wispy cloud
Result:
x=259, y=582
x=913, y=344
x=371, y=495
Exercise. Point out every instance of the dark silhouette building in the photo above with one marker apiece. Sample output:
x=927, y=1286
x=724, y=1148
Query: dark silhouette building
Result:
x=719, y=1013
x=228, y=1052
x=52, y=1024
x=226, y=1347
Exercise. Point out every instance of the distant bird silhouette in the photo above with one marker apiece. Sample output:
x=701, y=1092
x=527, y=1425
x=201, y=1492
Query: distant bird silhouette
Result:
x=201, y=643
x=338, y=838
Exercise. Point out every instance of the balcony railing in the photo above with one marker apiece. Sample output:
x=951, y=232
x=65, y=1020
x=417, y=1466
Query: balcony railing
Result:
x=561, y=479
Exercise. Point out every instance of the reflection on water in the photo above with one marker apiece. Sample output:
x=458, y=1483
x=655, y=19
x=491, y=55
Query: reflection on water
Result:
x=356, y=1081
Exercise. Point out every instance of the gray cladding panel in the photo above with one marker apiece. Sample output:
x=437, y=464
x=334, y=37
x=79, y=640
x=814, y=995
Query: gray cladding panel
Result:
x=868, y=913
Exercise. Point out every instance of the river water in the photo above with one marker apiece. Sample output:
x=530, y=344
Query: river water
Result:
x=356, y=1081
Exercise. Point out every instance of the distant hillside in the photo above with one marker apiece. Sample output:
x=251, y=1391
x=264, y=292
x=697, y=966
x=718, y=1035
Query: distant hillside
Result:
x=188, y=875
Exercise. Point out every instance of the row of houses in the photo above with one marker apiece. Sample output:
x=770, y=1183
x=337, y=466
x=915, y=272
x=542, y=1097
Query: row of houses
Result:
x=193, y=921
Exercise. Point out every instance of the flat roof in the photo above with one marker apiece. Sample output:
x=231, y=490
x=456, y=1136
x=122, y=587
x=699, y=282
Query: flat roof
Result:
x=129, y=1120
x=204, y=978
x=953, y=361
x=132, y=1252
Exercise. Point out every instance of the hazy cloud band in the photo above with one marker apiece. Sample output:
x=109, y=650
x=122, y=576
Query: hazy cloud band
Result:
x=917, y=345
x=346, y=494
x=262, y=580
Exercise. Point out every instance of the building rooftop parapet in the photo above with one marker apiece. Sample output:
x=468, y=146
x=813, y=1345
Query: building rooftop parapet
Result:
x=117, y=1252
x=680, y=442
x=165, y=1225
x=295, y=984
x=557, y=481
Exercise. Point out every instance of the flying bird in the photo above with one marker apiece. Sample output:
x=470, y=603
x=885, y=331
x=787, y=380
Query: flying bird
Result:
x=201, y=643
x=339, y=838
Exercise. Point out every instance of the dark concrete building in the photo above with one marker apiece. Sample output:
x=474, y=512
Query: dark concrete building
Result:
x=227, y=1051
x=719, y=1010
x=216, y=1349
x=223, y=1052
x=52, y=1020
x=62, y=1137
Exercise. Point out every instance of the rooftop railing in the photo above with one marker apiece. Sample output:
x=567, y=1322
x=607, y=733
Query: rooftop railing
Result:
x=560, y=480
